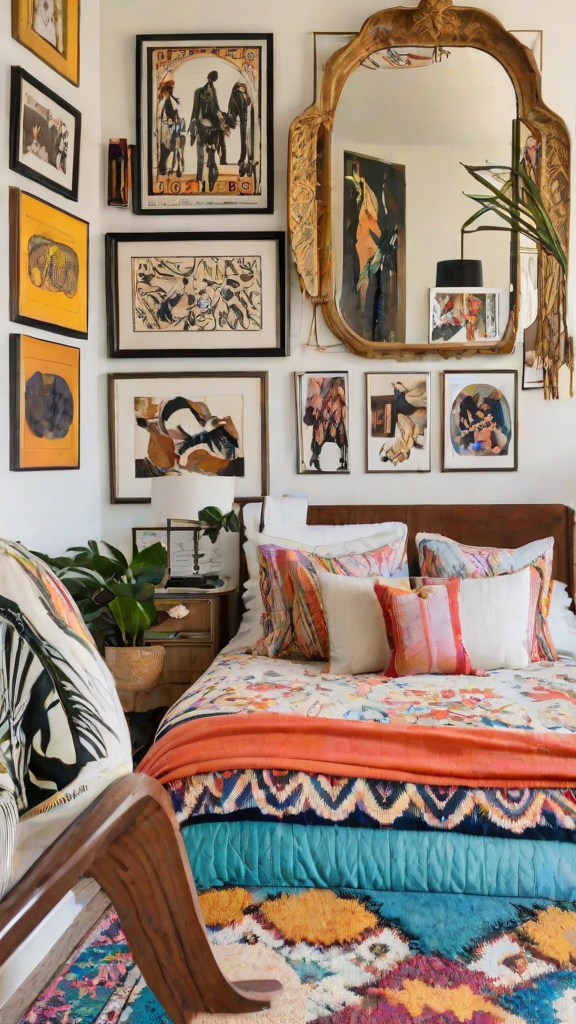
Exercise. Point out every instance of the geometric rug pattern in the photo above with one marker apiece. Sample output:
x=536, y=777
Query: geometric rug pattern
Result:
x=349, y=957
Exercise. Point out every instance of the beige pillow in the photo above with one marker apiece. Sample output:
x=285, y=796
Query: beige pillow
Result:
x=356, y=630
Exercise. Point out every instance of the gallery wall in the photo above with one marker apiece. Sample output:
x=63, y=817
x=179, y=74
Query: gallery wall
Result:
x=49, y=510
x=547, y=453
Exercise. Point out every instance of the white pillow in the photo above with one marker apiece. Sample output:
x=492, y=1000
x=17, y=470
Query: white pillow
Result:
x=561, y=621
x=497, y=617
x=356, y=631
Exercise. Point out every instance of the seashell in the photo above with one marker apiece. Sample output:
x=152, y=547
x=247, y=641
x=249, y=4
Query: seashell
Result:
x=179, y=611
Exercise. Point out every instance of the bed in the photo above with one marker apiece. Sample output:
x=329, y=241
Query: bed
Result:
x=282, y=774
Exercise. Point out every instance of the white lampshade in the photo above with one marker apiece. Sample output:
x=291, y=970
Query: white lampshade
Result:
x=182, y=496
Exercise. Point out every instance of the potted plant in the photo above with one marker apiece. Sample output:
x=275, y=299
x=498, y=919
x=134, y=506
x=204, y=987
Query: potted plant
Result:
x=116, y=600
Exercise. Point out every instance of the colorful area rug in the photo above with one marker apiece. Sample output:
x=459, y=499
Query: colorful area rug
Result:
x=350, y=957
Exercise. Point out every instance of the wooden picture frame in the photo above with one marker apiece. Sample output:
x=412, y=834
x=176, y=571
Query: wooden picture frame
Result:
x=49, y=252
x=48, y=157
x=44, y=405
x=479, y=417
x=55, y=41
x=207, y=294
x=398, y=419
x=137, y=406
x=326, y=386
x=170, y=121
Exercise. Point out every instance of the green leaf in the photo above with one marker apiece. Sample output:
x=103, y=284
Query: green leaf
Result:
x=210, y=515
x=212, y=534
x=149, y=564
x=119, y=557
x=132, y=618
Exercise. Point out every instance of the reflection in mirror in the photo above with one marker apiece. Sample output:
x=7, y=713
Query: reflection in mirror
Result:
x=406, y=122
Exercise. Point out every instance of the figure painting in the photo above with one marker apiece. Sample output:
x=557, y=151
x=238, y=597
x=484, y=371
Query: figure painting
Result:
x=480, y=428
x=373, y=295
x=398, y=422
x=322, y=414
x=44, y=135
x=48, y=22
x=207, y=129
x=187, y=435
x=50, y=29
x=460, y=316
x=45, y=404
x=207, y=293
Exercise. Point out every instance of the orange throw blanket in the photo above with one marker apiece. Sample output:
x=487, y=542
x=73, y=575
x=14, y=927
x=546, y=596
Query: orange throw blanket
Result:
x=432, y=755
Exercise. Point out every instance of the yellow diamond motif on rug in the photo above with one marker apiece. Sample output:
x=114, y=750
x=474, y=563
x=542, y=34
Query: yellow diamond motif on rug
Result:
x=319, y=917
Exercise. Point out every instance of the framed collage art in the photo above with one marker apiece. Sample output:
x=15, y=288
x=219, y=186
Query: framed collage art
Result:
x=479, y=421
x=322, y=404
x=44, y=135
x=44, y=404
x=397, y=428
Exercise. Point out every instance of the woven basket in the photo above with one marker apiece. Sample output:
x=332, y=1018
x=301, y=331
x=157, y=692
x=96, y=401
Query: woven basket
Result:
x=136, y=670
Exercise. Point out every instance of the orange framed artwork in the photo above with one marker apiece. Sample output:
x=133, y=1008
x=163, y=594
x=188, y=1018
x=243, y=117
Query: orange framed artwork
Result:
x=48, y=266
x=44, y=404
x=51, y=30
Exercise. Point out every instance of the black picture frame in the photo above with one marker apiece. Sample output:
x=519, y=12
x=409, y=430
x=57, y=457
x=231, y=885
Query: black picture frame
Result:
x=140, y=179
x=113, y=296
x=18, y=78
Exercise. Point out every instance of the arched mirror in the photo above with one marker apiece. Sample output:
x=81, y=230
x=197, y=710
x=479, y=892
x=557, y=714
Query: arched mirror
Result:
x=419, y=95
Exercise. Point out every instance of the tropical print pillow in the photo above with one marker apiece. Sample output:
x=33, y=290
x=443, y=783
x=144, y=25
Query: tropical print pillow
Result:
x=443, y=558
x=293, y=621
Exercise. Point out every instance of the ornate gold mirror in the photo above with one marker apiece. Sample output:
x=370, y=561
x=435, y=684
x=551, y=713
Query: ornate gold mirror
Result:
x=378, y=183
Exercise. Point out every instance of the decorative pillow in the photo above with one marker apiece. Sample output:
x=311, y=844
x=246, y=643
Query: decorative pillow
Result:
x=440, y=557
x=357, y=639
x=294, y=624
x=498, y=618
x=424, y=631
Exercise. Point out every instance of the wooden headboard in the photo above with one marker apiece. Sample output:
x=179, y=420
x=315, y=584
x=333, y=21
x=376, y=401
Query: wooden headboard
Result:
x=502, y=526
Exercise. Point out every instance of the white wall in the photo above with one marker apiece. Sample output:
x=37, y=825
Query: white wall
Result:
x=547, y=430
x=50, y=510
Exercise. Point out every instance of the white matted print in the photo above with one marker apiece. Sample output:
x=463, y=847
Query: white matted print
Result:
x=479, y=420
x=398, y=422
x=464, y=316
x=322, y=403
x=179, y=423
x=44, y=135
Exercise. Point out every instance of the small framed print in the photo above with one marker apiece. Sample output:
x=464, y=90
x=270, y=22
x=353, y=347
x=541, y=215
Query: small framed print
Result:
x=462, y=317
x=48, y=266
x=210, y=294
x=51, y=30
x=44, y=135
x=173, y=423
x=397, y=426
x=479, y=421
x=44, y=404
x=322, y=422
x=204, y=124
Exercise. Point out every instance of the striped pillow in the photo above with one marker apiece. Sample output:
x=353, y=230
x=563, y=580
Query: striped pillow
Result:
x=293, y=622
x=424, y=631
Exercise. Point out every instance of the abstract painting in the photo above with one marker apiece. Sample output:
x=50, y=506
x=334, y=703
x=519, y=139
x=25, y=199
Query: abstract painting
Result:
x=50, y=28
x=48, y=266
x=205, y=124
x=322, y=418
x=44, y=404
x=398, y=417
x=480, y=429
x=460, y=316
x=44, y=135
x=373, y=296
x=177, y=423
x=203, y=294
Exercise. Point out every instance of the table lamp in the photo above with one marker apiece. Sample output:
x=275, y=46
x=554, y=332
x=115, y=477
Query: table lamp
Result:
x=177, y=499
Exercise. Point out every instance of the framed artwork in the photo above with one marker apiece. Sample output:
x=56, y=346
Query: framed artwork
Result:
x=213, y=423
x=44, y=404
x=459, y=316
x=204, y=124
x=398, y=418
x=204, y=294
x=322, y=401
x=48, y=266
x=479, y=420
x=373, y=295
x=51, y=29
x=44, y=135
x=181, y=559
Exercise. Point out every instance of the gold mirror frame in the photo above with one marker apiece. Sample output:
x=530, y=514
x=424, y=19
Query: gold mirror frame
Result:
x=432, y=23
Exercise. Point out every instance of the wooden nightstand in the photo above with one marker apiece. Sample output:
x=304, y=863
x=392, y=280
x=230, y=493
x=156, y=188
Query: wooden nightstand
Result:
x=191, y=643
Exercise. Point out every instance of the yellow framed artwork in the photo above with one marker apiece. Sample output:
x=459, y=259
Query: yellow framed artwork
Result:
x=51, y=30
x=44, y=404
x=48, y=266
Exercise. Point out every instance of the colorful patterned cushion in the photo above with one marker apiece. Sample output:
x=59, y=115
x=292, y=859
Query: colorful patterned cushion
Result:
x=443, y=558
x=424, y=631
x=294, y=624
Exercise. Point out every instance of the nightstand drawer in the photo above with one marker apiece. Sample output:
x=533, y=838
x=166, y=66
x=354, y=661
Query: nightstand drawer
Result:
x=199, y=619
x=184, y=662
